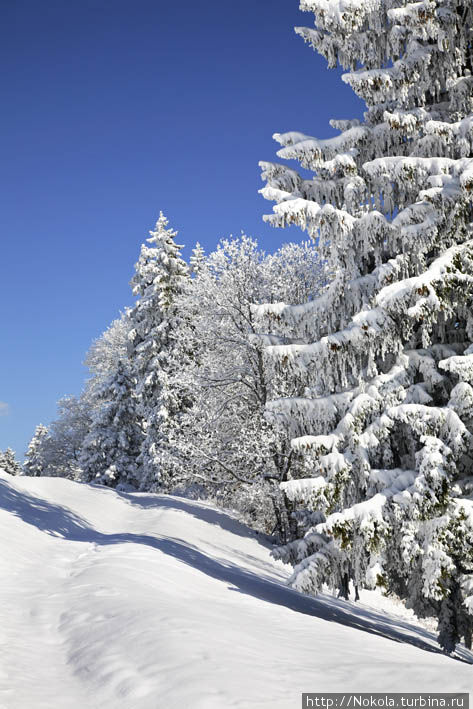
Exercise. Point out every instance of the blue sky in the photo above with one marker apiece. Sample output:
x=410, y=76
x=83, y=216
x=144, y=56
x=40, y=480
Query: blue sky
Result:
x=111, y=112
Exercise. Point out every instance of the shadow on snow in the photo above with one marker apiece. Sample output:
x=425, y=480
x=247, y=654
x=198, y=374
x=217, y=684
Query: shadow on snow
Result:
x=62, y=522
x=196, y=509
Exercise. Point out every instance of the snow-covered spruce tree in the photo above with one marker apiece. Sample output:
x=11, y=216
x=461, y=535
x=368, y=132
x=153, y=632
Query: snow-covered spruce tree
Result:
x=385, y=425
x=160, y=275
x=35, y=461
x=197, y=259
x=9, y=463
x=110, y=450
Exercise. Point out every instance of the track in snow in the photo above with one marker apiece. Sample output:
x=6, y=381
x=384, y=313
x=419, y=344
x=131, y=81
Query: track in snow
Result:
x=138, y=601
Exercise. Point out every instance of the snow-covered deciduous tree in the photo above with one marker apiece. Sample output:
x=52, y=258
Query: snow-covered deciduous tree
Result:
x=294, y=274
x=62, y=446
x=35, y=461
x=384, y=428
x=9, y=463
x=105, y=353
x=224, y=439
x=59, y=451
x=160, y=275
x=110, y=450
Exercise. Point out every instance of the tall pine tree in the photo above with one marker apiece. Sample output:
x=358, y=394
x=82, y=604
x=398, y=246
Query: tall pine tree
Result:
x=159, y=277
x=110, y=450
x=384, y=428
x=35, y=461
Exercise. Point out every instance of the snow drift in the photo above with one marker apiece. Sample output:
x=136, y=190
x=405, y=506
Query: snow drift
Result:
x=138, y=601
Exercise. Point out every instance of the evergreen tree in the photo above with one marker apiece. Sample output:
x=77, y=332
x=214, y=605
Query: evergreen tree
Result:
x=9, y=463
x=159, y=277
x=197, y=259
x=35, y=455
x=111, y=448
x=384, y=428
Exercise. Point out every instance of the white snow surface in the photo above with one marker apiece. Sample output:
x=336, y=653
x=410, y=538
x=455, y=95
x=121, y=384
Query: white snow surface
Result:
x=137, y=601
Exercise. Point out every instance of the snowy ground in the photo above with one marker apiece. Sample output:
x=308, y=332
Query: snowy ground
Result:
x=118, y=601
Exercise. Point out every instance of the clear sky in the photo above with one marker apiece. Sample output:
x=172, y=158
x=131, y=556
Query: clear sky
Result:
x=113, y=110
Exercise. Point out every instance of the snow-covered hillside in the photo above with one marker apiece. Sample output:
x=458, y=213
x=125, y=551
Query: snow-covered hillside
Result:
x=139, y=601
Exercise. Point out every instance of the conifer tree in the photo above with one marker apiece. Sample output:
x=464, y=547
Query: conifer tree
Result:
x=197, y=259
x=384, y=428
x=159, y=277
x=9, y=463
x=111, y=448
x=35, y=460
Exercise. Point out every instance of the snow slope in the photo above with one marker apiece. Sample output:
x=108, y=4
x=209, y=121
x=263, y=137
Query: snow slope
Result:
x=138, y=601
